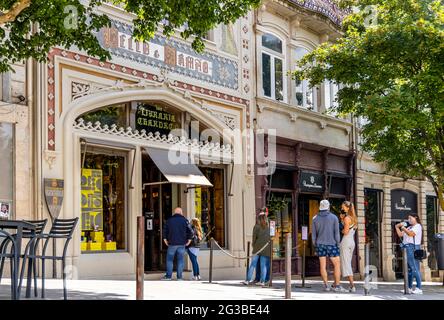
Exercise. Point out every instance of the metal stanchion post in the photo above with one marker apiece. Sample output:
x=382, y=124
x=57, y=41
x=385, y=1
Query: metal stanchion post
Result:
x=140, y=257
x=288, y=266
x=248, y=258
x=270, y=283
x=210, y=277
x=405, y=270
x=367, y=269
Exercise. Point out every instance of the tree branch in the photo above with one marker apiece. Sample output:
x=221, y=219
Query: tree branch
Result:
x=16, y=9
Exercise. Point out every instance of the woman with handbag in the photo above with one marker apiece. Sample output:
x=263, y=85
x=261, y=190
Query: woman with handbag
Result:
x=193, y=249
x=410, y=233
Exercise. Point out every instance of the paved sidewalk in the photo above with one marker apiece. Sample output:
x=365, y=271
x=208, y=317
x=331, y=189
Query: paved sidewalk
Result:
x=219, y=290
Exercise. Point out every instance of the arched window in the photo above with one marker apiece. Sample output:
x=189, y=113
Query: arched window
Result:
x=305, y=95
x=273, y=80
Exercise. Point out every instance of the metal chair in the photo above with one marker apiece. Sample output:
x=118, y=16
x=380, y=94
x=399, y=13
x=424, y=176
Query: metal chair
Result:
x=32, y=245
x=61, y=229
x=27, y=234
x=4, y=254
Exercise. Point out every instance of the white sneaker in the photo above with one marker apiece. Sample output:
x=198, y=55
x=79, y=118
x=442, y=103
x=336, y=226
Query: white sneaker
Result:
x=327, y=287
x=339, y=289
x=409, y=291
x=416, y=291
x=247, y=283
x=260, y=284
x=198, y=278
x=352, y=289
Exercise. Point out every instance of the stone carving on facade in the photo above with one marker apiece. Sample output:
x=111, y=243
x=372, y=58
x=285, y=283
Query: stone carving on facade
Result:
x=50, y=158
x=80, y=89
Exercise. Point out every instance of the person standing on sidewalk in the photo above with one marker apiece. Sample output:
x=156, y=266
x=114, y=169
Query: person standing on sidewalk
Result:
x=194, y=247
x=347, y=246
x=177, y=235
x=325, y=237
x=410, y=233
x=261, y=237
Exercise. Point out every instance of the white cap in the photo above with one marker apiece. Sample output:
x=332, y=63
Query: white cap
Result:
x=324, y=205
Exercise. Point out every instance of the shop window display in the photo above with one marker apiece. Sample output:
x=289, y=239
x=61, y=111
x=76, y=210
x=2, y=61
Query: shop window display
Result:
x=210, y=206
x=103, y=201
x=280, y=211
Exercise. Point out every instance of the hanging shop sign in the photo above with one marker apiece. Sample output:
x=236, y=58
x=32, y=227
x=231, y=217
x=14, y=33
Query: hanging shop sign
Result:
x=404, y=202
x=53, y=189
x=311, y=182
x=169, y=54
x=154, y=118
x=92, y=200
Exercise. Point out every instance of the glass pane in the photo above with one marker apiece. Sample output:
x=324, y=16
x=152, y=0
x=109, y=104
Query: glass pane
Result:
x=103, y=202
x=299, y=93
x=209, y=206
x=279, y=79
x=280, y=207
x=266, y=74
x=6, y=168
x=272, y=42
x=108, y=115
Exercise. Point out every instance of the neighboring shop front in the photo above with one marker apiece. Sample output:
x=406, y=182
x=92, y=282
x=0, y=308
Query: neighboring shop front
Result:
x=149, y=131
x=305, y=174
x=386, y=200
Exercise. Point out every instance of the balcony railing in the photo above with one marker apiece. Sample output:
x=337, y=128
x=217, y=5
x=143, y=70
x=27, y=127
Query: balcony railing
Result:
x=328, y=8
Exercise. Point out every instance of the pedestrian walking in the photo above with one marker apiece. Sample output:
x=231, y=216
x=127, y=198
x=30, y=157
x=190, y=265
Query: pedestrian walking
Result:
x=325, y=237
x=177, y=234
x=194, y=247
x=411, y=234
x=347, y=246
x=261, y=237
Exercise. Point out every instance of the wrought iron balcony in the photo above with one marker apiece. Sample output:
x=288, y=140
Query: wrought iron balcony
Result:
x=328, y=8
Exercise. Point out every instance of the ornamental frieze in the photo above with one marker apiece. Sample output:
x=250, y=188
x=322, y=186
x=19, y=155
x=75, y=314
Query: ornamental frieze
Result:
x=174, y=56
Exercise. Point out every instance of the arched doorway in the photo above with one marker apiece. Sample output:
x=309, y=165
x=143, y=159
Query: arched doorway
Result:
x=112, y=169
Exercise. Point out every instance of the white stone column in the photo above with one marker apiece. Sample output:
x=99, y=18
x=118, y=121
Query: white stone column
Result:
x=360, y=211
x=386, y=233
x=422, y=212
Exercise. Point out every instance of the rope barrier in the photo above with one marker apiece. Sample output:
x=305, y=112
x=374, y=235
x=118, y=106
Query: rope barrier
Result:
x=240, y=258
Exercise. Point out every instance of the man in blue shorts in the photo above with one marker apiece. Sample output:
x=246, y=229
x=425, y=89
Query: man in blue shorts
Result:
x=326, y=239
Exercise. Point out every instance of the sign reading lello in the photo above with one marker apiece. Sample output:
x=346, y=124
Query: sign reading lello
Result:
x=170, y=54
x=404, y=202
x=154, y=118
x=311, y=182
x=92, y=201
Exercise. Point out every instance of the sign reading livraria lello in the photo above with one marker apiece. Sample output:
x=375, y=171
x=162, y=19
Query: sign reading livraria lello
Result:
x=170, y=54
x=152, y=118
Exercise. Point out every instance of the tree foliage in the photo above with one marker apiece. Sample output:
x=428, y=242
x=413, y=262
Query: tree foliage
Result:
x=390, y=62
x=29, y=28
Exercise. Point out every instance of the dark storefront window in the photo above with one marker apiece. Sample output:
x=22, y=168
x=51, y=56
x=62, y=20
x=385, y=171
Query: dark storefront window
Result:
x=103, y=201
x=281, y=179
x=6, y=169
x=210, y=206
x=373, y=219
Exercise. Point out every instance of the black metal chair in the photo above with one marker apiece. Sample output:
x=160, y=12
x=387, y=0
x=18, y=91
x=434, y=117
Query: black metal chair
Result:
x=6, y=240
x=27, y=234
x=32, y=245
x=61, y=229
